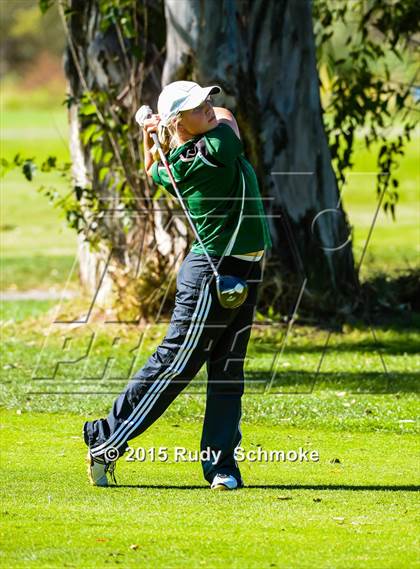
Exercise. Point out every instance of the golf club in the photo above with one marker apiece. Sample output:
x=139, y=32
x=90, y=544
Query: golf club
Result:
x=231, y=291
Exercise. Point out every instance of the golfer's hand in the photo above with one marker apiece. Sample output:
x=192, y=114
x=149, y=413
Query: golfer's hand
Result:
x=150, y=125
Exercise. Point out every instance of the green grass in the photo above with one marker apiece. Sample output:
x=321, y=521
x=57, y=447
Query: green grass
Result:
x=360, y=512
x=38, y=249
x=38, y=272
x=13, y=312
x=352, y=390
x=35, y=132
x=394, y=245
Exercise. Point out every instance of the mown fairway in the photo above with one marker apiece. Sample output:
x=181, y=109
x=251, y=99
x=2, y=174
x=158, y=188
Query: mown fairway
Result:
x=355, y=508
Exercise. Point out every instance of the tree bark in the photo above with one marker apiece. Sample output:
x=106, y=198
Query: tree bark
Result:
x=99, y=60
x=262, y=53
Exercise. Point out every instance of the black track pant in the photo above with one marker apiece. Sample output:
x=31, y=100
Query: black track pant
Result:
x=201, y=331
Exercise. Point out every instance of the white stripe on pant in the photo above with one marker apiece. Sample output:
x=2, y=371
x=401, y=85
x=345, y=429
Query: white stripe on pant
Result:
x=191, y=338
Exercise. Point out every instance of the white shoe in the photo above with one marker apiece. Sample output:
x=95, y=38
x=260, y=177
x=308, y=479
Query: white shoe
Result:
x=100, y=473
x=224, y=482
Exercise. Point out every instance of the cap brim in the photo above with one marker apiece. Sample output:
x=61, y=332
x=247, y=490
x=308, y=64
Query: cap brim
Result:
x=198, y=98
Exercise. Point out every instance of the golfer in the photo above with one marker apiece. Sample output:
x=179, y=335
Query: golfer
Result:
x=203, y=147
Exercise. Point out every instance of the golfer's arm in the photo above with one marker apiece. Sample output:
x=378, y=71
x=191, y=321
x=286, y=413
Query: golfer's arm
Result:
x=148, y=158
x=225, y=116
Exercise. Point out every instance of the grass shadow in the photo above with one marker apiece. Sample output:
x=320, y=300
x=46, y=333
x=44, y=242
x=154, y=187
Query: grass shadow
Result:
x=338, y=487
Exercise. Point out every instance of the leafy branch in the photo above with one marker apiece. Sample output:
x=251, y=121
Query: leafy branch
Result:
x=361, y=94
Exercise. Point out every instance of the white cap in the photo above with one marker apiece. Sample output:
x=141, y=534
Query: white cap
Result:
x=182, y=96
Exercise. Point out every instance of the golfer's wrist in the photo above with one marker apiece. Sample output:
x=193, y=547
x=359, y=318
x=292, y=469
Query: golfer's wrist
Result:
x=147, y=138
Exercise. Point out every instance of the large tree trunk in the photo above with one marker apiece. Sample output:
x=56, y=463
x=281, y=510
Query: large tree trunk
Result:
x=263, y=55
x=100, y=60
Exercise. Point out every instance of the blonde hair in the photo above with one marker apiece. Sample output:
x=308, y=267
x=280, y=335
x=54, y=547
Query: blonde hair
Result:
x=168, y=135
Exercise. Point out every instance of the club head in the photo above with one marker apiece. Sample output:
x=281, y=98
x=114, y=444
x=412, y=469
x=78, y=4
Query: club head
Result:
x=231, y=291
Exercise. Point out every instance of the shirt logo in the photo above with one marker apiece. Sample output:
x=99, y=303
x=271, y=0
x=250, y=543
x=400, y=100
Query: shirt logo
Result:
x=189, y=154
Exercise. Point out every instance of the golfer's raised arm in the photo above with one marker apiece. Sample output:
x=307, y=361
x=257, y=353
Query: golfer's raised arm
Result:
x=225, y=116
x=149, y=126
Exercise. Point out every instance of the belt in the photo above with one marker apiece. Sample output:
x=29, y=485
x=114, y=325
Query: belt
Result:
x=254, y=256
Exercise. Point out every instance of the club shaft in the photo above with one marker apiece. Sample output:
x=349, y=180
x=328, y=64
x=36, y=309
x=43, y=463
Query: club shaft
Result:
x=181, y=201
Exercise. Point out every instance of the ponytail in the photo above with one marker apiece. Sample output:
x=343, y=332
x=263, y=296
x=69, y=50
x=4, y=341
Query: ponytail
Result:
x=167, y=136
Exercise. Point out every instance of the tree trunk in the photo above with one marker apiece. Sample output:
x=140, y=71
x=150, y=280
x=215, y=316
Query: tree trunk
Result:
x=99, y=60
x=262, y=53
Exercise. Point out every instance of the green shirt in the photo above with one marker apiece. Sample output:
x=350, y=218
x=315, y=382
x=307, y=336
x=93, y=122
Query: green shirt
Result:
x=212, y=173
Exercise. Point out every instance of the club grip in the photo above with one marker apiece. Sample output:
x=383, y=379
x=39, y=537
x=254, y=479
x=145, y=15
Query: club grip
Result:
x=142, y=114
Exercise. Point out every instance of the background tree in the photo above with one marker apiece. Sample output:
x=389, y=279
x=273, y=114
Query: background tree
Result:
x=114, y=62
x=26, y=34
x=278, y=113
x=263, y=55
